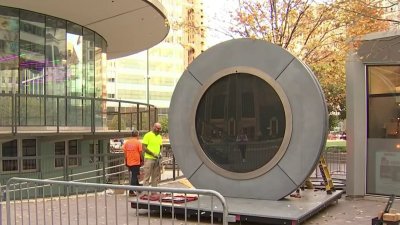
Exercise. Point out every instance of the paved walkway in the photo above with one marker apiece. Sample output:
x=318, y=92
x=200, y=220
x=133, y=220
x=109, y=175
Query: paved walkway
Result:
x=351, y=211
x=346, y=211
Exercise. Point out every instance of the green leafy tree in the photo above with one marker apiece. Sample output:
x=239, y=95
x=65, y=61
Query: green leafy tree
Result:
x=113, y=124
x=164, y=124
x=333, y=121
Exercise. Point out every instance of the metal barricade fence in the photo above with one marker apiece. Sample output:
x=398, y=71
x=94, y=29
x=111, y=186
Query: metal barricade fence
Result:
x=92, y=203
x=336, y=161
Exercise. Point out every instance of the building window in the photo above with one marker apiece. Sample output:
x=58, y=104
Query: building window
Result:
x=29, y=161
x=110, y=95
x=9, y=156
x=60, y=154
x=94, y=151
x=248, y=105
x=14, y=159
x=73, y=159
x=218, y=107
x=63, y=152
x=384, y=101
x=383, y=173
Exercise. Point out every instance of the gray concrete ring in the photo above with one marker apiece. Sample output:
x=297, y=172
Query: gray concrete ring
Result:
x=305, y=114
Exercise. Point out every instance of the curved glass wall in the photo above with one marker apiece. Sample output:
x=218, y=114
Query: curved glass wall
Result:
x=43, y=56
x=240, y=123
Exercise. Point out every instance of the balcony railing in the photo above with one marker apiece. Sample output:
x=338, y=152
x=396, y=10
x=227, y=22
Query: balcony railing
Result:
x=50, y=113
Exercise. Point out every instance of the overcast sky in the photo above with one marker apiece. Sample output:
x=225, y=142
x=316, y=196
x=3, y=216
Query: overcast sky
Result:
x=217, y=19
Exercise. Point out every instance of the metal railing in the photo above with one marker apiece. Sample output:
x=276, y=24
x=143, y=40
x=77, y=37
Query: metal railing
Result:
x=336, y=160
x=336, y=163
x=90, y=167
x=90, y=203
x=98, y=168
x=19, y=111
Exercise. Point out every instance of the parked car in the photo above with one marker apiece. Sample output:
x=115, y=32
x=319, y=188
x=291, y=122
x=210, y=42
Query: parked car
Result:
x=342, y=136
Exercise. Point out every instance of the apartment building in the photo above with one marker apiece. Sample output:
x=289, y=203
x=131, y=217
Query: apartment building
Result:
x=150, y=76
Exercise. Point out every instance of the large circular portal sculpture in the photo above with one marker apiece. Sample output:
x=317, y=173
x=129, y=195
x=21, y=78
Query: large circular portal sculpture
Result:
x=247, y=119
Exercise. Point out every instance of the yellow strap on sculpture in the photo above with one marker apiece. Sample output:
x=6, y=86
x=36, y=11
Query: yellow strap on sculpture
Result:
x=326, y=176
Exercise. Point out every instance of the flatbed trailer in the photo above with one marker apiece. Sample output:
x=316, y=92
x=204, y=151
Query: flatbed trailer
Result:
x=289, y=210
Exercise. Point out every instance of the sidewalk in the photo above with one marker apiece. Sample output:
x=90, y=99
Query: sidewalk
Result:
x=346, y=211
x=351, y=211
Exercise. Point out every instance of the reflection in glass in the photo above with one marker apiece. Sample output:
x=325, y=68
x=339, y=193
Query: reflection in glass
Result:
x=32, y=36
x=9, y=48
x=240, y=123
x=384, y=101
x=88, y=62
x=55, y=67
x=383, y=157
x=74, y=59
x=55, y=56
x=88, y=73
x=9, y=42
x=74, y=73
x=31, y=66
x=42, y=55
x=100, y=48
x=100, y=66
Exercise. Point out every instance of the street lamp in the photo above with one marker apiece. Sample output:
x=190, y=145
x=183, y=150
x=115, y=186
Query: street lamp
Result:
x=147, y=77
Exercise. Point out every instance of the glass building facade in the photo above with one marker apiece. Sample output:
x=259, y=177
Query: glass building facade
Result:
x=55, y=119
x=383, y=156
x=49, y=66
x=151, y=76
x=133, y=78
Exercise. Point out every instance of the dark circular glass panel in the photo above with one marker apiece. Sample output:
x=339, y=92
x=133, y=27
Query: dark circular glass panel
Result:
x=240, y=122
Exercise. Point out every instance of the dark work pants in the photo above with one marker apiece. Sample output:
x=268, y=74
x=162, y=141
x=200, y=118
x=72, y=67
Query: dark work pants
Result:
x=134, y=175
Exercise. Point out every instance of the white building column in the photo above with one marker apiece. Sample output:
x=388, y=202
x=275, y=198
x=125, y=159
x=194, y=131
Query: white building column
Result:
x=356, y=104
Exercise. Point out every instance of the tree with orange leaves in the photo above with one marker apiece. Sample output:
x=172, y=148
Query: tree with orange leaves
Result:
x=320, y=33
